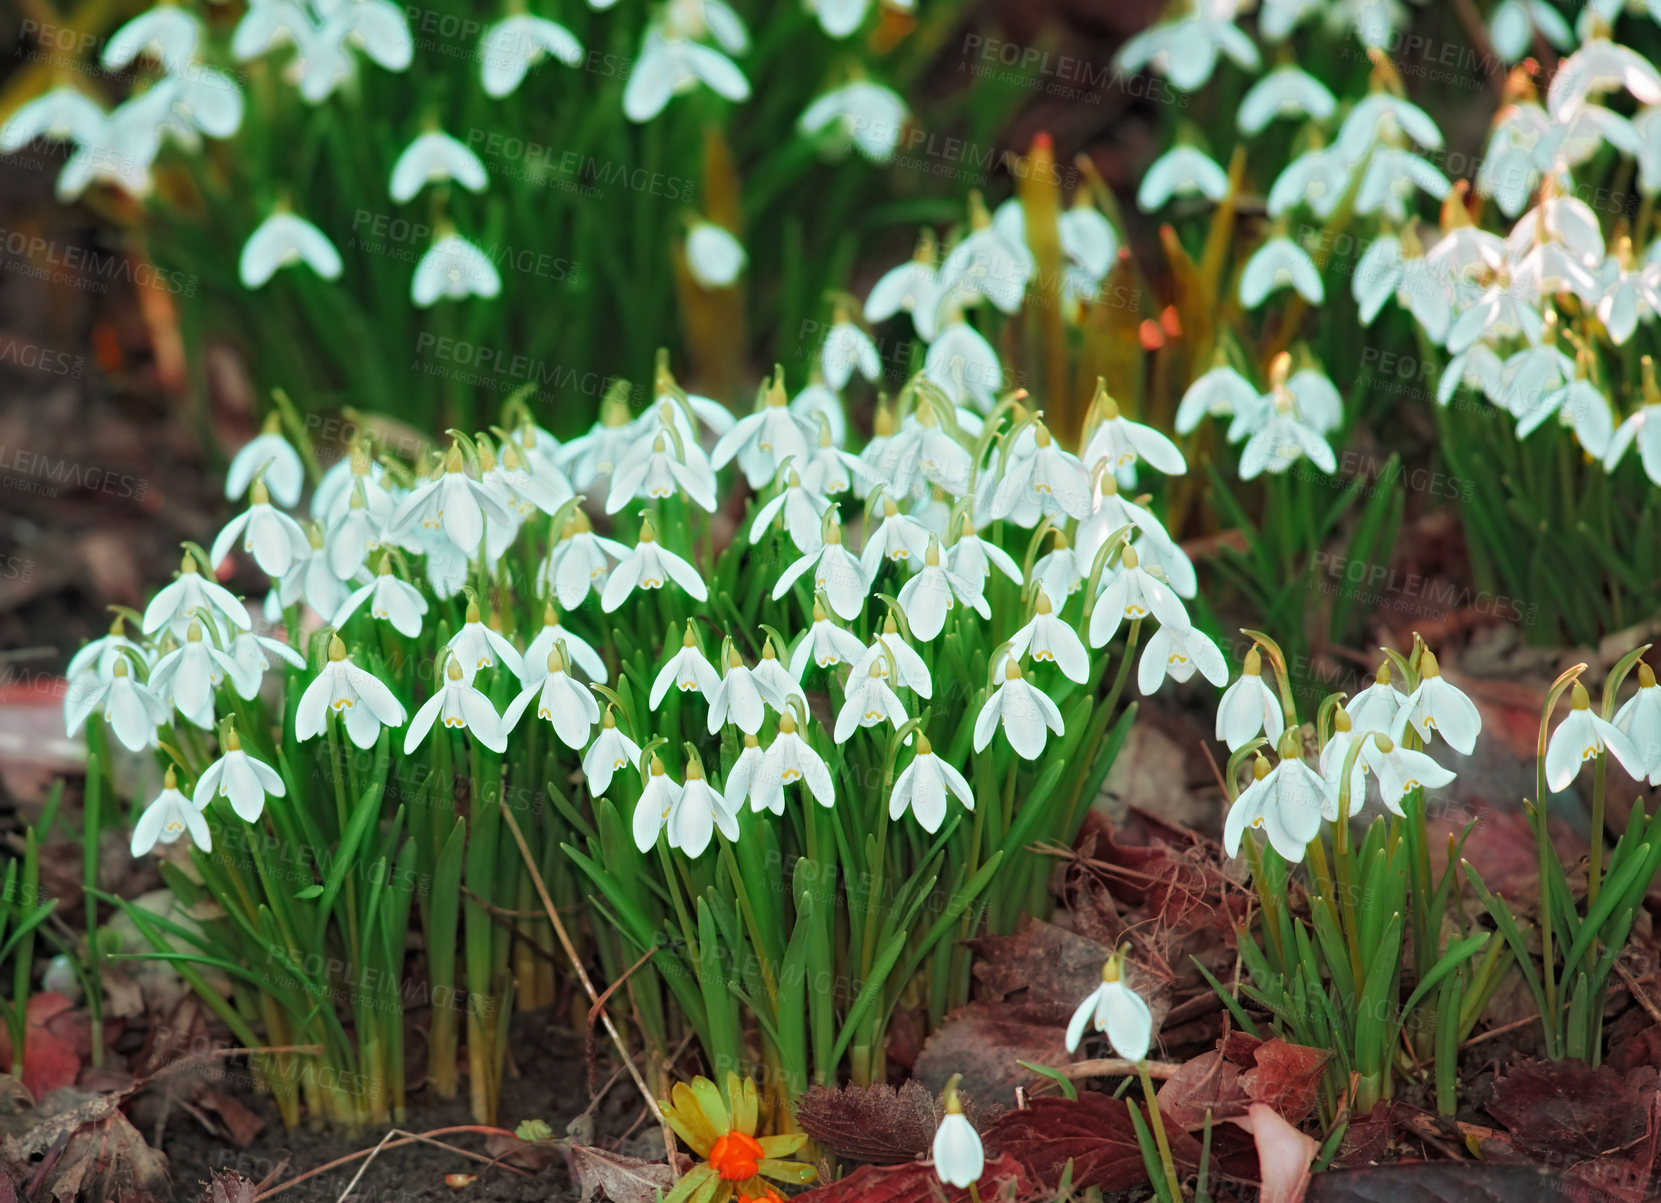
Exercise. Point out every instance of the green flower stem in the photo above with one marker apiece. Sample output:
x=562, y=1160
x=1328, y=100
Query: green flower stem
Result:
x=1172, y=1182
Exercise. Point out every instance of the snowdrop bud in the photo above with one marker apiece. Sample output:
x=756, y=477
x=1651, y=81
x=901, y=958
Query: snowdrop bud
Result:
x=233, y=742
x=959, y=1158
x=337, y=649
x=1129, y=559
x=453, y=461
x=472, y=611
x=1340, y=721
x=1384, y=742
x=1012, y=670
x=787, y=722
x=1646, y=675
x=556, y=662
x=454, y=670
x=1260, y=766
x=259, y=494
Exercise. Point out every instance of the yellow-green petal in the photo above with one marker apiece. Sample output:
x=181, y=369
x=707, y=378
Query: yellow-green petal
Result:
x=714, y=1108
x=783, y=1146
x=796, y=1172
x=694, y=1179
x=745, y=1106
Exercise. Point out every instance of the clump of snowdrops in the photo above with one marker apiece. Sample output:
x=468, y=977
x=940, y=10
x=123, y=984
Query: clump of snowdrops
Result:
x=792, y=719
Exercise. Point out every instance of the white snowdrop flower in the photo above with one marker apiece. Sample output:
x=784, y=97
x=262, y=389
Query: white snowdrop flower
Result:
x=284, y=474
x=973, y=558
x=898, y=538
x=457, y=705
x=1499, y=313
x=1391, y=176
x=1599, y=66
x=1045, y=476
x=513, y=45
x=928, y=596
x=1580, y=406
x=964, y=365
x=311, y=580
x=1584, y=735
x=1046, y=637
x=1133, y=593
x=453, y=267
x=866, y=115
x=1381, y=117
x=763, y=440
x=1181, y=171
x=927, y=451
x=1513, y=24
x=578, y=562
x=344, y=688
x=121, y=149
x=664, y=466
x=242, y=779
x=1398, y=770
x=167, y=31
x=525, y=487
x=1280, y=263
x=1639, y=719
x=987, y=263
x=697, y=811
x=1220, y=392
x=436, y=157
x=1185, y=50
x=913, y=287
x=1511, y=164
x=825, y=644
x=1124, y=443
x=1318, y=179
x=390, y=600
x=1110, y=512
x=452, y=503
x=611, y=751
x=846, y=349
x=1283, y=437
x=652, y=811
x=1248, y=707
x=775, y=681
x=959, y=1158
x=1286, y=802
x=789, y=759
x=909, y=669
x=170, y=815
x=1646, y=126
x=801, y=510
x=61, y=114
x=1439, y=707
x=839, y=18
x=1333, y=757
x=477, y=646
x=714, y=256
x=274, y=539
x=186, y=677
x=1377, y=278
x=741, y=779
x=1058, y=572
x=818, y=401
x=1376, y=707
x=923, y=785
x=673, y=66
x=648, y=566
x=1177, y=653
x=1088, y=238
x=564, y=702
x=837, y=573
x=279, y=241
x=268, y=24
x=254, y=655
x=1478, y=368
x=594, y=454
x=97, y=657
x=1284, y=92
x=132, y=710
x=1022, y=710
x=1628, y=294
x=867, y=702
x=688, y=671
x=572, y=646
x=736, y=699
x=190, y=596
x=1116, y=1010
x=1642, y=426
x=324, y=62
